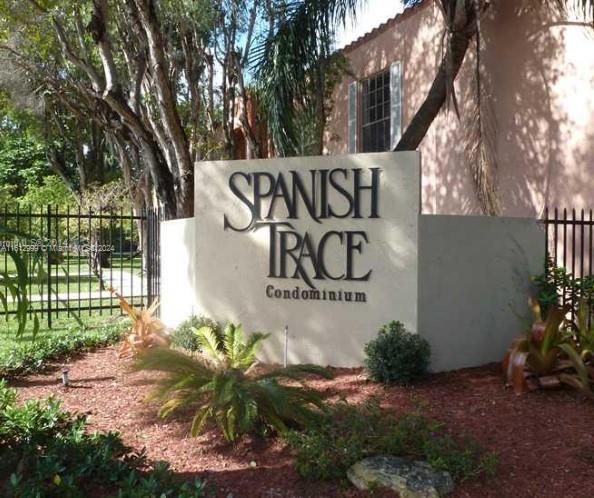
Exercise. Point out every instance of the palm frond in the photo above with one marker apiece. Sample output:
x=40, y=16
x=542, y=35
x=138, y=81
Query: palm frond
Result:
x=223, y=388
x=226, y=391
x=581, y=379
x=586, y=7
x=480, y=132
x=247, y=355
x=209, y=344
x=304, y=36
x=296, y=372
x=169, y=361
x=233, y=341
x=169, y=406
x=189, y=386
x=199, y=420
x=289, y=404
x=147, y=330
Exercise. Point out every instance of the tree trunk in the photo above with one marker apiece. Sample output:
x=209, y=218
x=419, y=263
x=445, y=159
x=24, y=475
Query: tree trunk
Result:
x=112, y=95
x=436, y=98
x=57, y=165
x=161, y=177
x=167, y=107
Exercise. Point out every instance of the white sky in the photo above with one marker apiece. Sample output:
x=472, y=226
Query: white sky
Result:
x=372, y=15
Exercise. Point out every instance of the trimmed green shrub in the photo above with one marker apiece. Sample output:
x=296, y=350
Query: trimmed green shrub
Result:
x=349, y=433
x=33, y=356
x=185, y=336
x=396, y=356
x=46, y=452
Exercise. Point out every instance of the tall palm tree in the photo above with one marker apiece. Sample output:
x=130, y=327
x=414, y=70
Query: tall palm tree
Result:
x=300, y=36
x=304, y=33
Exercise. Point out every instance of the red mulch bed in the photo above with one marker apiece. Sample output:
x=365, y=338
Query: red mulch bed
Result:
x=545, y=441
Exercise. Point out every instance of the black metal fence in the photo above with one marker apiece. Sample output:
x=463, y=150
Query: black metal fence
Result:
x=153, y=254
x=81, y=256
x=569, y=255
x=570, y=236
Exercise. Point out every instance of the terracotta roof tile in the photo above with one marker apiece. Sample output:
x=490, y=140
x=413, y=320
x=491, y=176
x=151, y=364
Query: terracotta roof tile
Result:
x=405, y=14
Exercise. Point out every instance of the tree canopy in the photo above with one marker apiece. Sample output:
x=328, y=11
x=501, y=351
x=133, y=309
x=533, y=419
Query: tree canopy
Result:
x=143, y=89
x=156, y=86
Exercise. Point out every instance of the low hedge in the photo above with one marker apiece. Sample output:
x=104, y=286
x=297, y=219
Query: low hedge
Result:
x=34, y=355
x=349, y=433
x=46, y=452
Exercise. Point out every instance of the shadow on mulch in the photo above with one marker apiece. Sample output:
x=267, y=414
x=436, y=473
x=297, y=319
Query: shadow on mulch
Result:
x=524, y=431
x=25, y=382
x=276, y=482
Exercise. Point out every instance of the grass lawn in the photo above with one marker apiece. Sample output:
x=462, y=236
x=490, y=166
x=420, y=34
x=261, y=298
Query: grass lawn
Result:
x=62, y=283
x=75, y=265
x=72, y=278
x=60, y=328
x=81, y=308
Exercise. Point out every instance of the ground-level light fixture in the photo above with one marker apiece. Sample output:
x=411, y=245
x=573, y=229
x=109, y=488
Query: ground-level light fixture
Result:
x=65, y=380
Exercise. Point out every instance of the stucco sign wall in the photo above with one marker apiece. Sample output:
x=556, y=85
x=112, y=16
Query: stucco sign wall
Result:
x=324, y=245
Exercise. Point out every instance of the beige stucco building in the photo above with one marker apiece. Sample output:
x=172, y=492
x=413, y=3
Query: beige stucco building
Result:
x=539, y=73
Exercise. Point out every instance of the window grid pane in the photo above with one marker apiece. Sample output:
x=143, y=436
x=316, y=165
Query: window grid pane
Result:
x=375, y=122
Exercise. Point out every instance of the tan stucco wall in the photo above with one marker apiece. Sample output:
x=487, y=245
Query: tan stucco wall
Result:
x=474, y=276
x=540, y=73
x=232, y=280
x=178, y=271
x=459, y=281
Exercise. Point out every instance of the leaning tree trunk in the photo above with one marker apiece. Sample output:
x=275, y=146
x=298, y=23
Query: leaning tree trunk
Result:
x=99, y=259
x=436, y=98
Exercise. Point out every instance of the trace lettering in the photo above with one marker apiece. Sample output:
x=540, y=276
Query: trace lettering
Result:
x=327, y=193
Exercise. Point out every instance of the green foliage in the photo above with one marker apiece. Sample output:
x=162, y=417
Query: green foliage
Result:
x=290, y=65
x=583, y=332
x=229, y=388
x=46, y=452
x=349, y=433
x=185, y=335
x=556, y=350
x=22, y=158
x=7, y=194
x=31, y=356
x=51, y=191
x=396, y=356
x=14, y=287
x=556, y=286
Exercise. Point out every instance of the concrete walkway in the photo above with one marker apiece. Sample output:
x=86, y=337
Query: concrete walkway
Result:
x=125, y=283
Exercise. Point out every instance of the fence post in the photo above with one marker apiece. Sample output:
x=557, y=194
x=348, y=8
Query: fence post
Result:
x=547, y=248
x=157, y=262
x=148, y=256
x=153, y=270
x=49, y=266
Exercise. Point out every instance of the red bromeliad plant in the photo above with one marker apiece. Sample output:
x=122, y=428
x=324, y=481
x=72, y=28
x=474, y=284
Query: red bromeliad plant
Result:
x=546, y=357
x=147, y=330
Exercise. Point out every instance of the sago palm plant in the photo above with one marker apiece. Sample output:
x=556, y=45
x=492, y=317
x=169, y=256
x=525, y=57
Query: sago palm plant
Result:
x=226, y=386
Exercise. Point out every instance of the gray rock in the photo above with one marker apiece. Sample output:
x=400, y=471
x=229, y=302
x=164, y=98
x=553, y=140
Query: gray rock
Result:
x=410, y=478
